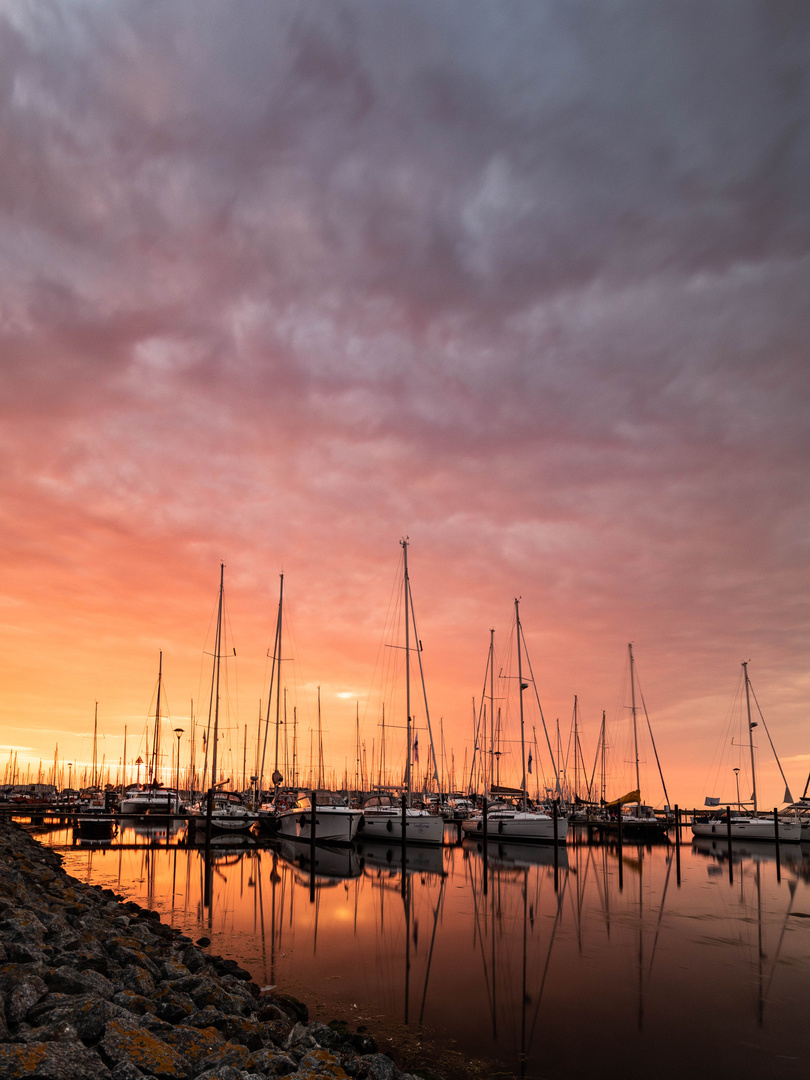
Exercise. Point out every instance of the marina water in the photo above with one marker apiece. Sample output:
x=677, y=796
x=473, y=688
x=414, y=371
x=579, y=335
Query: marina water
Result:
x=635, y=962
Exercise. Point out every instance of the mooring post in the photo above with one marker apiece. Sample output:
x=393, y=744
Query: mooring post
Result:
x=312, y=835
x=728, y=838
x=486, y=848
x=677, y=844
x=556, y=844
x=776, y=838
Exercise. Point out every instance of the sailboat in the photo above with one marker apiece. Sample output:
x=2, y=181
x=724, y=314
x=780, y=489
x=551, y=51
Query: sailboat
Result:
x=518, y=822
x=151, y=797
x=219, y=811
x=383, y=818
x=745, y=824
x=638, y=819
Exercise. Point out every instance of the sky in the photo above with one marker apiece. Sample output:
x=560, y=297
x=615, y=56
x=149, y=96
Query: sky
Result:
x=283, y=283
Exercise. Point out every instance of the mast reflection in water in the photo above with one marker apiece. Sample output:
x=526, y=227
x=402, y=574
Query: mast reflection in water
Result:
x=633, y=962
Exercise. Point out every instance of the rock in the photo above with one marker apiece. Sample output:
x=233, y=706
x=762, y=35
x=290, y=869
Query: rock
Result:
x=134, y=1003
x=20, y=925
x=126, y=955
x=51, y=1061
x=300, y=1038
x=129, y=1041
x=320, y=1063
x=172, y=1006
x=61, y=1031
x=26, y=993
x=88, y=1015
x=68, y=980
x=325, y=1036
x=239, y=1029
x=273, y=1062
x=222, y=1072
x=125, y=1070
x=138, y=980
x=194, y=958
x=171, y=969
x=380, y=1067
x=24, y=954
x=196, y=1044
x=295, y=1008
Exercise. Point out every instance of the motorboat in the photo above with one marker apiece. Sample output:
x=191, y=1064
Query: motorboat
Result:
x=149, y=799
x=331, y=822
x=383, y=818
x=516, y=823
x=747, y=826
x=228, y=814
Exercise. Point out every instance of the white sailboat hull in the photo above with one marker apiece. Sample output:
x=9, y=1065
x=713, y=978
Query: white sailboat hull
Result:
x=146, y=802
x=518, y=825
x=750, y=828
x=223, y=823
x=386, y=824
x=333, y=824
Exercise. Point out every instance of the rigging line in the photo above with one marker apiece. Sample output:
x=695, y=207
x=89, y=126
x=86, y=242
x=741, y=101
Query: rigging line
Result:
x=781, y=938
x=660, y=914
x=477, y=933
x=540, y=708
x=430, y=951
x=418, y=648
x=547, y=964
x=652, y=740
x=789, y=797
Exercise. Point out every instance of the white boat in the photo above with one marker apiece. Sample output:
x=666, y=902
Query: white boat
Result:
x=334, y=824
x=229, y=814
x=744, y=824
x=514, y=823
x=801, y=811
x=382, y=820
x=149, y=799
x=747, y=827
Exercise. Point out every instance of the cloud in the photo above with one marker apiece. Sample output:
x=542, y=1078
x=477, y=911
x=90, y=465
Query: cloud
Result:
x=526, y=281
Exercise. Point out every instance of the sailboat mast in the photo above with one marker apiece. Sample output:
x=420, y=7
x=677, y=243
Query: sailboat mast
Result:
x=491, y=712
x=522, y=688
x=633, y=706
x=156, y=741
x=217, y=652
x=750, y=737
x=95, y=746
x=406, y=588
x=278, y=674
x=576, y=747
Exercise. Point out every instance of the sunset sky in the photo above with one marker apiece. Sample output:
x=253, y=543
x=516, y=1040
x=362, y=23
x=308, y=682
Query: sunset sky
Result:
x=286, y=281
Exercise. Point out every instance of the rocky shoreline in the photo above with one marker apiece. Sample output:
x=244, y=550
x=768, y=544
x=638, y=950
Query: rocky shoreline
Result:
x=93, y=988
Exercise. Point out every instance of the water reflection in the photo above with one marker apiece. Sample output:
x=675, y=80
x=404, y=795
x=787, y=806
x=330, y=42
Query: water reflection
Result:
x=634, y=961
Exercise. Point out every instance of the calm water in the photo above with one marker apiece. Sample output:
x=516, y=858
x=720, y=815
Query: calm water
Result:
x=641, y=966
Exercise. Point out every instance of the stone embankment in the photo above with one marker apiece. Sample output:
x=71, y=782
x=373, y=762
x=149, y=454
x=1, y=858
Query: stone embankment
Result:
x=95, y=989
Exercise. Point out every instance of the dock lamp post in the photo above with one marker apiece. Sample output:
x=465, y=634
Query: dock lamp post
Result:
x=737, y=778
x=178, y=732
